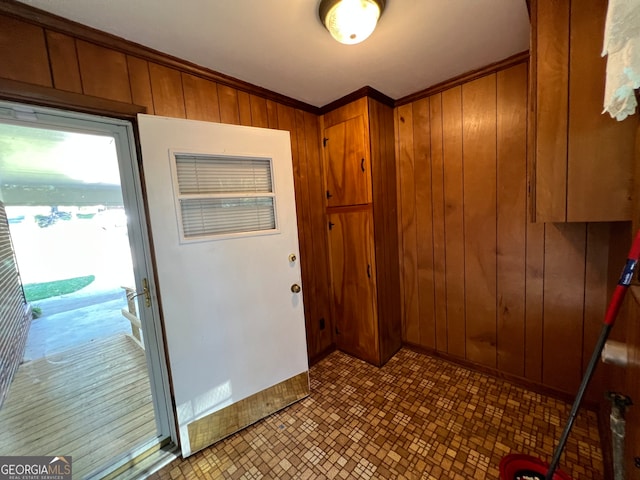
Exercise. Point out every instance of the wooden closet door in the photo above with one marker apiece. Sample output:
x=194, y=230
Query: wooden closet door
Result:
x=347, y=163
x=353, y=282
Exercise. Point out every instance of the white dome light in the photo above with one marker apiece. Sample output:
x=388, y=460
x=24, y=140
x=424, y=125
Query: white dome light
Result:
x=350, y=21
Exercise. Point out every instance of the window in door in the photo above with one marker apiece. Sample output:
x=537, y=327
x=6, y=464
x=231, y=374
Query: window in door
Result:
x=218, y=196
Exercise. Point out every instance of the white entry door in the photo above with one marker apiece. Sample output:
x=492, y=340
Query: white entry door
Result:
x=223, y=223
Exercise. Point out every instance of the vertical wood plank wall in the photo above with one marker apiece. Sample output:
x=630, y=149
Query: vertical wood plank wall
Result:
x=479, y=281
x=52, y=59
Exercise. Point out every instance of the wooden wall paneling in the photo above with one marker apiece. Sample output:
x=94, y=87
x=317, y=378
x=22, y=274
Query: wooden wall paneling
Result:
x=104, y=72
x=387, y=274
x=424, y=222
x=534, y=242
x=140, y=82
x=244, y=107
x=411, y=320
x=345, y=112
x=465, y=77
x=552, y=65
x=625, y=328
x=287, y=121
x=511, y=217
x=479, y=173
x=259, y=115
x=600, y=149
x=564, y=275
x=64, y=62
x=438, y=207
x=23, y=51
x=393, y=324
x=595, y=298
x=229, y=109
x=272, y=114
x=534, y=301
x=453, y=220
x=632, y=374
x=400, y=226
x=200, y=98
x=42, y=19
x=303, y=211
x=166, y=86
x=318, y=229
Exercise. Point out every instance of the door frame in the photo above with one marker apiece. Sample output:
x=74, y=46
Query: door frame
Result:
x=124, y=131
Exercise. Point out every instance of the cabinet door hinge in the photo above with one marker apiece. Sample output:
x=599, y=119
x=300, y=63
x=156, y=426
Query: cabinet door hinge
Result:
x=329, y=194
x=331, y=224
x=324, y=141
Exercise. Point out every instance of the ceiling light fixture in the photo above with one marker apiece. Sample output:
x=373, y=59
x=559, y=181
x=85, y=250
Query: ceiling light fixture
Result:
x=350, y=21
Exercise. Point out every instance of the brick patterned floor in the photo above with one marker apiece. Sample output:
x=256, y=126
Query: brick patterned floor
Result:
x=417, y=417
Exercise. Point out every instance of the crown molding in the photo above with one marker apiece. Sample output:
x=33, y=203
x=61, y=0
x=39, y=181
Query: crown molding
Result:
x=465, y=77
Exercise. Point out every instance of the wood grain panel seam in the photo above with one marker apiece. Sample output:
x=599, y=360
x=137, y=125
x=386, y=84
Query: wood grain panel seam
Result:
x=153, y=100
x=433, y=234
x=75, y=48
x=399, y=205
x=418, y=292
x=584, y=296
x=444, y=226
x=251, y=112
x=217, y=112
x=567, y=124
x=184, y=97
x=464, y=239
x=49, y=63
x=497, y=306
x=542, y=320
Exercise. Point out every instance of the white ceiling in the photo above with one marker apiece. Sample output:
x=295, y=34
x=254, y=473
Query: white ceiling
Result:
x=281, y=45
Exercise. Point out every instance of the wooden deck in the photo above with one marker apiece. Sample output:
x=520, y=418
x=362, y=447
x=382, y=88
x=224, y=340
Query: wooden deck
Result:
x=91, y=402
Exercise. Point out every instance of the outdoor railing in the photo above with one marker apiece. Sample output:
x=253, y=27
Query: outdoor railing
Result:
x=131, y=314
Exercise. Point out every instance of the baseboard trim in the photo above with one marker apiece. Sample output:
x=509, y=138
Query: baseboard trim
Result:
x=514, y=379
x=323, y=354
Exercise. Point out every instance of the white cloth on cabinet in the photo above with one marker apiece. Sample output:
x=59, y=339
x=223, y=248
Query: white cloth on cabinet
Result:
x=622, y=45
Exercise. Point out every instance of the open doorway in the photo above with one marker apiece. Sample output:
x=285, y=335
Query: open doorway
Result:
x=91, y=381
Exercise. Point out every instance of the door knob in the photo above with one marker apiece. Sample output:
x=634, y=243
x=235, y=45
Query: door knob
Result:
x=295, y=288
x=292, y=257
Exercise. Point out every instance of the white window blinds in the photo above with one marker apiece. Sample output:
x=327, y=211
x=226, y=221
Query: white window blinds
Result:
x=223, y=195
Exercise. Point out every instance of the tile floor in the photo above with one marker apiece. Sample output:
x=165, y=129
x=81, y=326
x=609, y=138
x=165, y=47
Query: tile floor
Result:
x=417, y=417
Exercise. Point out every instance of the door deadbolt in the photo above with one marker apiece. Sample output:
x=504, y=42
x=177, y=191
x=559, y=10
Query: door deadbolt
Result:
x=295, y=288
x=292, y=257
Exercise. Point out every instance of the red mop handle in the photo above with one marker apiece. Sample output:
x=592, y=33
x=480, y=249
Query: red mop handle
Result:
x=624, y=282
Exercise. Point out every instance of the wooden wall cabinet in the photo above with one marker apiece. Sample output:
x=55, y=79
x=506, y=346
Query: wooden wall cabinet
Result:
x=360, y=178
x=582, y=159
x=347, y=163
x=354, y=287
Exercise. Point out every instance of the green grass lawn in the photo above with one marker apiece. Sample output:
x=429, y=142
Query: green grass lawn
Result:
x=40, y=291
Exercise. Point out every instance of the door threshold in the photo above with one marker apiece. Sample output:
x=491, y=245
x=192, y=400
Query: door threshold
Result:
x=139, y=462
